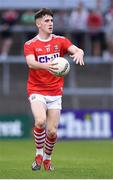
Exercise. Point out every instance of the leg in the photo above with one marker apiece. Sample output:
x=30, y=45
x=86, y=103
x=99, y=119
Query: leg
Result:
x=39, y=113
x=53, y=116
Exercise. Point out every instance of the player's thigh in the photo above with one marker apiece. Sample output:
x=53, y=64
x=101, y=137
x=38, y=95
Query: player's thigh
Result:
x=53, y=117
x=39, y=110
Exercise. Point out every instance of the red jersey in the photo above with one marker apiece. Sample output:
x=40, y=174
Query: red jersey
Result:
x=42, y=81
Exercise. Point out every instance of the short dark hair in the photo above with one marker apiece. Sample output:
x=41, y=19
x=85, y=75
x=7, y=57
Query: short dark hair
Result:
x=42, y=12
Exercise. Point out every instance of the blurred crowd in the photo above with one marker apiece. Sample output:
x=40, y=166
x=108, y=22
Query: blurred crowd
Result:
x=90, y=29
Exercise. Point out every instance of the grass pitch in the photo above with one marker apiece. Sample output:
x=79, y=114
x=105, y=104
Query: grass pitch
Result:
x=72, y=160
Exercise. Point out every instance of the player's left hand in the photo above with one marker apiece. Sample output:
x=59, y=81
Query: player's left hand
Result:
x=78, y=57
x=53, y=67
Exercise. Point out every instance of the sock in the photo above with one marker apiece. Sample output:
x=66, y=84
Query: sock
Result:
x=39, y=135
x=49, y=145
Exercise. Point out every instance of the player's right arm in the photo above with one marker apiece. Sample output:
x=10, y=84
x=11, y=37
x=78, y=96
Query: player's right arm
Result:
x=33, y=64
x=31, y=59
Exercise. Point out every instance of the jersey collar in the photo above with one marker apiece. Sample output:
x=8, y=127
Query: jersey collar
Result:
x=45, y=40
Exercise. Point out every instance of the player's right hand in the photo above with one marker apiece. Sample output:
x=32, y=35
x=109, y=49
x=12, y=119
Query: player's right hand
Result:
x=51, y=66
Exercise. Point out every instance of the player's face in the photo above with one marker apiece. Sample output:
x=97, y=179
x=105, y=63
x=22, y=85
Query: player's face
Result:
x=45, y=24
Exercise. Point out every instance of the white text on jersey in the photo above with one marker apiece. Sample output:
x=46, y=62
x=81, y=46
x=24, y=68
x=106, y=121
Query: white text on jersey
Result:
x=48, y=57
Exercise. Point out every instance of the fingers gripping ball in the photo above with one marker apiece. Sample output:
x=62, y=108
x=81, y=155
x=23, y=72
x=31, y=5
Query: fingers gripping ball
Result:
x=62, y=65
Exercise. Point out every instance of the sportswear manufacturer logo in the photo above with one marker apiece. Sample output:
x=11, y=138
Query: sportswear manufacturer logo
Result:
x=47, y=58
x=38, y=49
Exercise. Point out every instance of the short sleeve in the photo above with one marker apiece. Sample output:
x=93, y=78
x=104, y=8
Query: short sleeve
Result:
x=28, y=49
x=66, y=43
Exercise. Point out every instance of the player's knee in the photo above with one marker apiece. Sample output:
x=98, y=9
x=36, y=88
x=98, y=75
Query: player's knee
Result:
x=40, y=123
x=52, y=133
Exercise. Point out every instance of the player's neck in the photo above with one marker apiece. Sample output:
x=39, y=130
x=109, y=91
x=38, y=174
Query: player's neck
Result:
x=44, y=37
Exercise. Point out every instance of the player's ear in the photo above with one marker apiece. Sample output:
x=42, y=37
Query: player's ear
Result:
x=38, y=24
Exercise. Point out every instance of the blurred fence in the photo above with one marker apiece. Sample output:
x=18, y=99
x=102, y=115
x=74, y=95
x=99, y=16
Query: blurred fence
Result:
x=72, y=88
x=86, y=87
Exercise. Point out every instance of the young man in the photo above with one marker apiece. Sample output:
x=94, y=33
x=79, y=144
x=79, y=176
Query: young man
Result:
x=45, y=89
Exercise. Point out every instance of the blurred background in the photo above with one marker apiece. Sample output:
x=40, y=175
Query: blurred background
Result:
x=88, y=93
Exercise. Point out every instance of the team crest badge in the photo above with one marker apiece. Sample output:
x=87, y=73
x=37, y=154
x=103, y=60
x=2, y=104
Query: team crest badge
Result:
x=33, y=97
x=56, y=48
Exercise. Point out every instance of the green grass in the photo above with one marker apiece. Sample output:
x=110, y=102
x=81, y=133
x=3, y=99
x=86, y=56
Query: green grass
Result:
x=72, y=160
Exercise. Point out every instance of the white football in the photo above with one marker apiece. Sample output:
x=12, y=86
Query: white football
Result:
x=63, y=66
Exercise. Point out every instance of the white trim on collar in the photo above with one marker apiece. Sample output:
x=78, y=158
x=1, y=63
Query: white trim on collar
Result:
x=45, y=40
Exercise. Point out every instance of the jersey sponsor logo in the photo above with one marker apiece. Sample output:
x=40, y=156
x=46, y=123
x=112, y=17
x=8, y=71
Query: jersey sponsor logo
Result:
x=48, y=57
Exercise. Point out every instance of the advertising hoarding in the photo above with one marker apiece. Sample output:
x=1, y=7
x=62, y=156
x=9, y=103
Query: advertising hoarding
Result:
x=74, y=124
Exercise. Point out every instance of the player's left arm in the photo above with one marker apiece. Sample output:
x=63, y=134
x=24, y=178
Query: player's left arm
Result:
x=77, y=54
